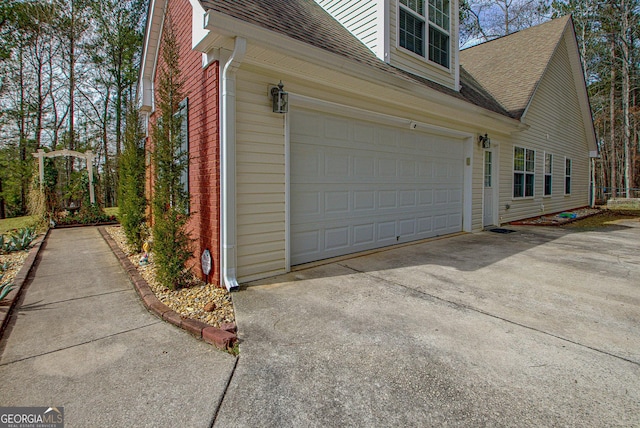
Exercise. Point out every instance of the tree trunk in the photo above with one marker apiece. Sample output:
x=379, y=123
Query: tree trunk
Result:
x=108, y=191
x=612, y=106
x=22, y=124
x=72, y=87
x=626, y=89
x=3, y=214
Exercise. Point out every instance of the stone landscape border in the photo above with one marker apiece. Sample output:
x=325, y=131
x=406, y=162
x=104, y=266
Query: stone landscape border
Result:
x=19, y=283
x=222, y=338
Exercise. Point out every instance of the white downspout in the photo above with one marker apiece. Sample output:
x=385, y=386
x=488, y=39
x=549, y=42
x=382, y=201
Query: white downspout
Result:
x=228, y=165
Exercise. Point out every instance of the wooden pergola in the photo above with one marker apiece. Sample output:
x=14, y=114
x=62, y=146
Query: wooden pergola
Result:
x=88, y=156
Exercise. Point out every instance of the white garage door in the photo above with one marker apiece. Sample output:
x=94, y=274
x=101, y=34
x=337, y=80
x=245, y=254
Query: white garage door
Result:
x=357, y=185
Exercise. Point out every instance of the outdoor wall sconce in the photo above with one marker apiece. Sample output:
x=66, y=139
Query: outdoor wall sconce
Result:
x=280, y=99
x=484, y=141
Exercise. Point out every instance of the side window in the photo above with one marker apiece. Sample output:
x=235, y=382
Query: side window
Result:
x=567, y=176
x=182, y=156
x=523, y=172
x=548, y=172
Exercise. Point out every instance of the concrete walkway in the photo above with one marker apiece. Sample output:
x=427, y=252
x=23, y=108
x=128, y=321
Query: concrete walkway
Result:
x=82, y=340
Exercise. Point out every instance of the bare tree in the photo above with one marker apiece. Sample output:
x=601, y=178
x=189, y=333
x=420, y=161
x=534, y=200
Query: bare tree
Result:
x=483, y=20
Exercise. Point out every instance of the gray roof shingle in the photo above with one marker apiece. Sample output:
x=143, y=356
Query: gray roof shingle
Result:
x=306, y=21
x=510, y=67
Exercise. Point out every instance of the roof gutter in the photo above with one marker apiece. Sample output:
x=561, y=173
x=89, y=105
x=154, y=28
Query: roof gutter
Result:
x=228, y=164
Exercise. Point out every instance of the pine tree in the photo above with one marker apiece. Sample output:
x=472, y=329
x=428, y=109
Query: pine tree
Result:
x=170, y=199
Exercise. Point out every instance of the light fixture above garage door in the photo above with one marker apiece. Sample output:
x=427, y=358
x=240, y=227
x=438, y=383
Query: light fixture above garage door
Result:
x=280, y=99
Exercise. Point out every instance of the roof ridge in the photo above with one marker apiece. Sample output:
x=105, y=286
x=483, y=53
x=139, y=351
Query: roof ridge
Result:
x=537, y=27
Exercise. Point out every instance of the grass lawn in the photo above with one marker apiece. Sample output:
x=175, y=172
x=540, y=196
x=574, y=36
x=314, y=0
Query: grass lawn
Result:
x=111, y=211
x=604, y=219
x=9, y=224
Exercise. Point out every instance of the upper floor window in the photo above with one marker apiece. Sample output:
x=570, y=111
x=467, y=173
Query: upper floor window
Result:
x=426, y=29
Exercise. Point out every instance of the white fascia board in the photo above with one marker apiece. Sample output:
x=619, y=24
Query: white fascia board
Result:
x=456, y=45
x=581, y=85
x=150, y=52
x=223, y=25
x=382, y=25
x=198, y=32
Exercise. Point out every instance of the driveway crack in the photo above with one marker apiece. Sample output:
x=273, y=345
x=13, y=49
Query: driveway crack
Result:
x=224, y=393
x=75, y=345
x=459, y=305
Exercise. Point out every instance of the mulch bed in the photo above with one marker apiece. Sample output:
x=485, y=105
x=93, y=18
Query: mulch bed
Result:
x=558, y=219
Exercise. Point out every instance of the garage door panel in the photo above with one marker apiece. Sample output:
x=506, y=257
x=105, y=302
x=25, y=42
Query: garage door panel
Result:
x=407, y=198
x=364, y=234
x=364, y=200
x=306, y=242
x=336, y=202
x=337, y=238
x=387, y=231
x=407, y=227
x=307, y=202
x=357, y=185
x=364, y=167
x=336, y=165
x=425, y=225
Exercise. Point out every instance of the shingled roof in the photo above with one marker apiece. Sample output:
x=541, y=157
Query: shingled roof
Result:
x=306, y=21
x=511, y=67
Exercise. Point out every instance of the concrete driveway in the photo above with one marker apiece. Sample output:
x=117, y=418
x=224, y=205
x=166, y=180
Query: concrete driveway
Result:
x=540, y=327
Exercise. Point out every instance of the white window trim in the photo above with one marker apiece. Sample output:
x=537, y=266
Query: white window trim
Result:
x=570, y=175
x=544, y=175
x=426, y=22
x=525, y=172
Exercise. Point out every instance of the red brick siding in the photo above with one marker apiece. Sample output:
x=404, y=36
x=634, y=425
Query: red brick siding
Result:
x=201, y=86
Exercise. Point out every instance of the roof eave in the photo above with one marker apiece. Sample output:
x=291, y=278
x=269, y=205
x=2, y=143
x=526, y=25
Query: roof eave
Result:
x=227, y=27
x=149, y=57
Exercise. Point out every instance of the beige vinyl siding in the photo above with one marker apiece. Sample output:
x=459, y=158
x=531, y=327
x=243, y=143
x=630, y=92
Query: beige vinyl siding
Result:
x=556, y=127
x=360, y=17
x=420, y=66
x=260, y=146
x=260, y=156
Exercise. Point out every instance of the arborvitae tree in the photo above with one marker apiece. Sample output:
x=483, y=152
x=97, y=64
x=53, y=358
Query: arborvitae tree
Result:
x=170, y=198
x=131, y=184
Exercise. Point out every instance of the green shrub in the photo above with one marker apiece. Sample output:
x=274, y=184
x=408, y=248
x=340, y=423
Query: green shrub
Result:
x=131, y=184
x=171, y=241
x=87, y=215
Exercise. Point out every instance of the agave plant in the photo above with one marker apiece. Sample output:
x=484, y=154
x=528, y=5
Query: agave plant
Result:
x=2, y=244
x=5, y=287
x=21, y=239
